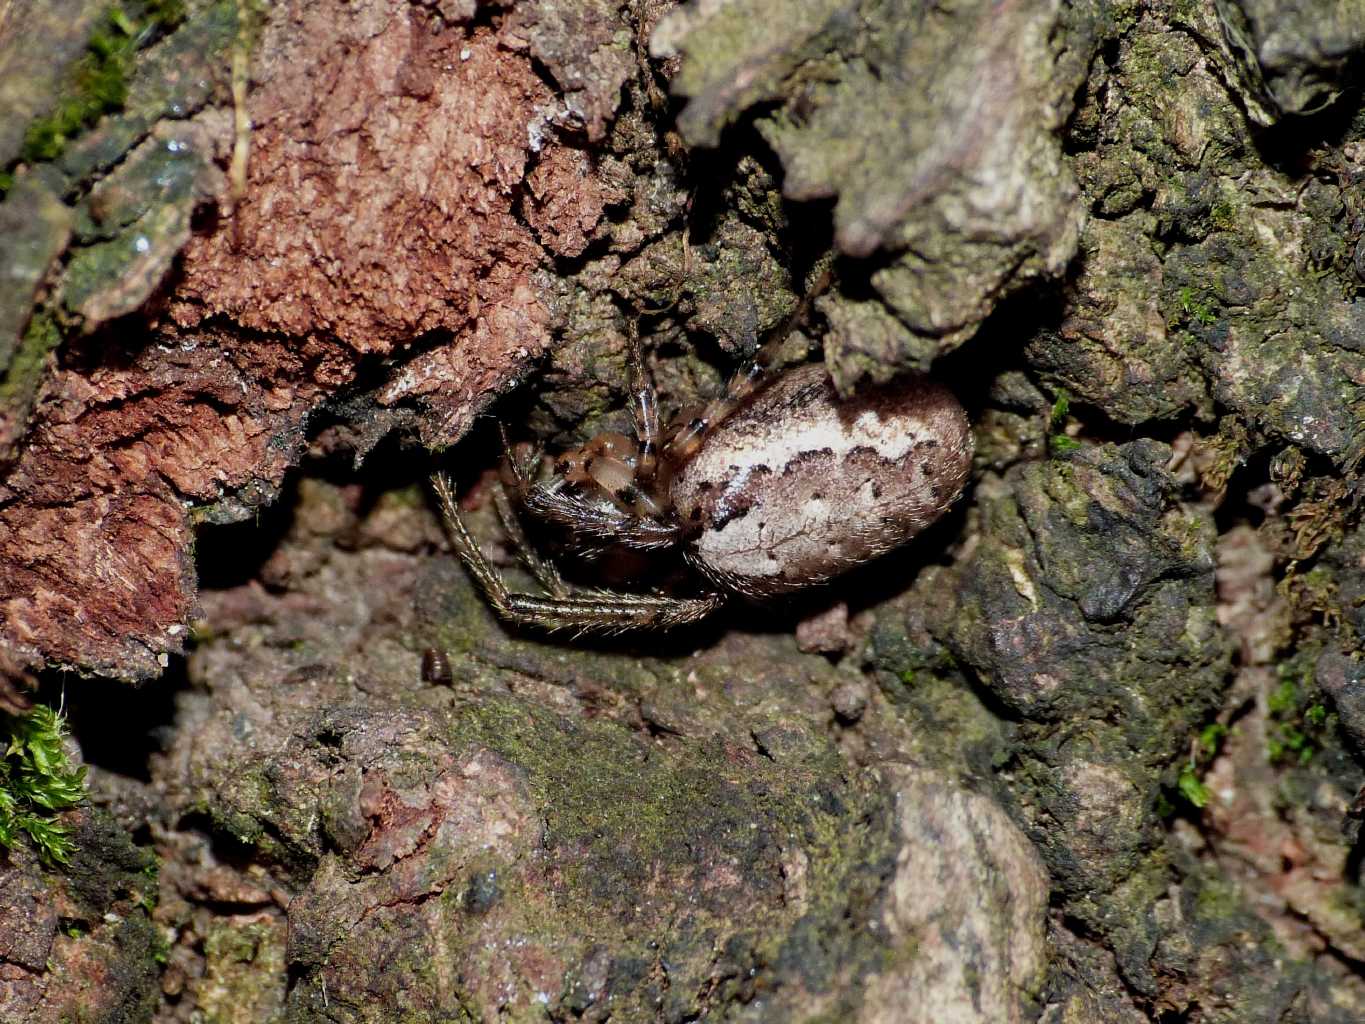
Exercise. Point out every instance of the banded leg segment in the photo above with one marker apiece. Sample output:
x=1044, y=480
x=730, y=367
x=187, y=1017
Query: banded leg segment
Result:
x=604, y=525
x=644, y=408
x=687, y=438
x=598, y=612
x=544, y=572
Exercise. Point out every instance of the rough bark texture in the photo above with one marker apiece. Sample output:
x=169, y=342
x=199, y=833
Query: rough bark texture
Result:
x=1092, y=749
x=377, y=213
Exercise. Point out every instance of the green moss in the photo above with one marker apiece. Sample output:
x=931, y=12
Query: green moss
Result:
x=1189, y=784
x=1223, y=215
x=914, y=664
x=596, y=793
x=1191, y=788
x=1162, y=806
x=99, y=80
x=1284, y=698
x=1060, y=445
x=1211, y=738
x=1195, y=307
x=161, y=948
x=1225, y=452
x=625, y=817
x=1058, y=442
x=1313, y=592
x=1299, y=724
x=37, y=780
x=20, y=379
x=1060, y=407
x=922, y=679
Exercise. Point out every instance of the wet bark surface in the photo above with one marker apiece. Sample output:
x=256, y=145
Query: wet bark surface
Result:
x=1090, y=749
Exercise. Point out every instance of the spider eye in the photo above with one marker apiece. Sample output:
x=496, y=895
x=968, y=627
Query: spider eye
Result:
x=688, y=417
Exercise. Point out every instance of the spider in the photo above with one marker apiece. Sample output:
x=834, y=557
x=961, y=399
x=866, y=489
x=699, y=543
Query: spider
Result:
x=775, y=486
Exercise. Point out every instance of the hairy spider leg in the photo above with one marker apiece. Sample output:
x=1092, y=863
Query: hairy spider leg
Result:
x=544, y=572
x=601, y=524
x=687, y=438
x=600, y=612
x=519, y=468
x=644, y=409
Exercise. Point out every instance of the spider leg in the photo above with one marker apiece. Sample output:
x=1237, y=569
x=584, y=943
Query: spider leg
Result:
x=544, y=572
x=601, y=523
x=597, y=522
x=519, y=470
x=644, y=407
x=601, y=612
x=689, y=436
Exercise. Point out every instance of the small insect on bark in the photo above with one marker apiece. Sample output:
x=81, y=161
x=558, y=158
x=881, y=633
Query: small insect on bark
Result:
x=776, y=486
x=436, y=667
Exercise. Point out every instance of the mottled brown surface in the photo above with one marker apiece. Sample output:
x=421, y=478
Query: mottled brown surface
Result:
x=77, y=946
x=611, y=837
x=565, y=201
x=710, y=826
x=796, y=487
x=380, y=208
x=922, y=123
x=95, y=527
x=588, y=49
x=1113, y=342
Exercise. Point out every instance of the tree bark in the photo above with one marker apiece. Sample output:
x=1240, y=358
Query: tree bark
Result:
x=1090, y=749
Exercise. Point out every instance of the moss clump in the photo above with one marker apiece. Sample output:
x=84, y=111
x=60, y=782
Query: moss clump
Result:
x=1059, y=443
x=19, y=380
x=1190, y=784
x=1195, y=307
x=99, y=80
x=1299, y=724
x=37, y=779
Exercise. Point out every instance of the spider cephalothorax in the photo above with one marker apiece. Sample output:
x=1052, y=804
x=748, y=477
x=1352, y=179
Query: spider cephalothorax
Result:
x=775, y=486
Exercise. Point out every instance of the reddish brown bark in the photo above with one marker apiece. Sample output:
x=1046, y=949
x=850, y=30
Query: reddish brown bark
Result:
x=382, y=207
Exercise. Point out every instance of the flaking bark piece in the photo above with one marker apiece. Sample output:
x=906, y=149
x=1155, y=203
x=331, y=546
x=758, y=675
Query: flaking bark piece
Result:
x=1292, y=56
x=565, y=201
x=587, y=48
x=94, y=528
x=388, y=156
x=135, y=222
x=1112, y=345
x=379, y=204
x=35, y=225
x=53, y=34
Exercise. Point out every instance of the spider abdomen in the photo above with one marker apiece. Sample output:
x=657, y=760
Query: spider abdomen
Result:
x=797, y=485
